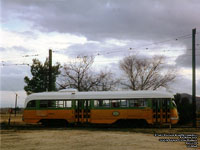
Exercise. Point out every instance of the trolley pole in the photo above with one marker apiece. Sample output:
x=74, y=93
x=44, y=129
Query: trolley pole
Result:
x=193, y=78
x=50, y=70
x=16, y=104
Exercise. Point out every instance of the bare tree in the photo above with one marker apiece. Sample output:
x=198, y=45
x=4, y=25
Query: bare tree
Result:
x=105, y=81
x=145, y=74
x=78, y=75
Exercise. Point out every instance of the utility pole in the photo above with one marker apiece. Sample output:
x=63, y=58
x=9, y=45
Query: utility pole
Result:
x=50, y=70
x=193, y=78
x=16, y=104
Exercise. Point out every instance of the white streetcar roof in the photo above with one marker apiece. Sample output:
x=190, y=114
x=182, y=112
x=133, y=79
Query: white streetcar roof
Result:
x=97, y=95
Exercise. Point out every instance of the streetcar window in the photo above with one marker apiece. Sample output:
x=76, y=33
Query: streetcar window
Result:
x=123, y=103
x=115, y=103
x=87, y=103
x=59, y=104
x=102, y=103
x=106, y=103
x=68, y=104
x=168, y=102
x=31, y=104
x=51, y=104
x=96, y=103
x=138, y=103
x=43, y=104
x=132, y=103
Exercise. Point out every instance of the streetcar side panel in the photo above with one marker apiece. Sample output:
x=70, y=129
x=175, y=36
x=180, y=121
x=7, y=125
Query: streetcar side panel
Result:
x=111, y=111
x=49, y=110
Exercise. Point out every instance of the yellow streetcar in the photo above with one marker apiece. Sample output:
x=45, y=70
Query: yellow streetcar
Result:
x=71, y=106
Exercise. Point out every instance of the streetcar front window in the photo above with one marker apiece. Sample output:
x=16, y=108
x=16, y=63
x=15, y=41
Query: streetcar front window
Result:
x=173, y=103
x=31, y=104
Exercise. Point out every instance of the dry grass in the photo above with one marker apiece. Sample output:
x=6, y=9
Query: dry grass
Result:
x=82, y=139
x=91, y=138
x=4, y=118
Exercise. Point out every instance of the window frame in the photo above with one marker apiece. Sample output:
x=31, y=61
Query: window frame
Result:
x=110, y=106
x=59, y=104
x=32, y=107
x=138, y=102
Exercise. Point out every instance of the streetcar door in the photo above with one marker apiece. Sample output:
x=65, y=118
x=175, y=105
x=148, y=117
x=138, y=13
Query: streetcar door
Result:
x=156, y=111
x=165, y=111
x=78, y=111
x=161, y=111
x=82, y=111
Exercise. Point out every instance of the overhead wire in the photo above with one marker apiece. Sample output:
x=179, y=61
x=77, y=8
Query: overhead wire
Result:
x=23, y=64
x=19, y=57
x=4, y=63
x=182, y=37
x=113, y=60
x=147, y=45
x=145, y=48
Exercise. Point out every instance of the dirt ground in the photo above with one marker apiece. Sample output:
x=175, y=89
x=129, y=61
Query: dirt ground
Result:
x=21, y=137
x=4, y=118
x=84, y=139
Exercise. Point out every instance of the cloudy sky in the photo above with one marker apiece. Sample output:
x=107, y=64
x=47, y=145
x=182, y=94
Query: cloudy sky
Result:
x=106, y=29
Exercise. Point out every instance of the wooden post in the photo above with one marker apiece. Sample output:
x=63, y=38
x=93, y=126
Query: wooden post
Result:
x=193, y=78
x=16, y=104
x=50, y=70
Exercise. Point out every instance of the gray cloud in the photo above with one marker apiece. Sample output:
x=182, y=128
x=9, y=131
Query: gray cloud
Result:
x=151, y=20
x=17, y=48
x=20, y=48
x=185, y=60
x=2, y=49
x=126, y=19
x=83, y=49
x=184, y=85
x=96, y=49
